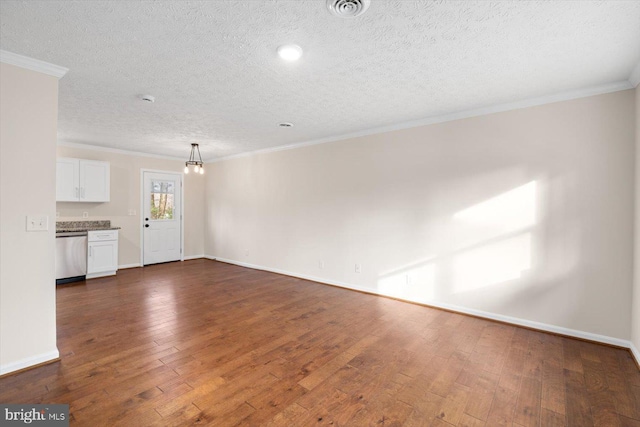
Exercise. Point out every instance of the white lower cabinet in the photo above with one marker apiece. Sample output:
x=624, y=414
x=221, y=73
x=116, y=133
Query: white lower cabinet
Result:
x=102, y=253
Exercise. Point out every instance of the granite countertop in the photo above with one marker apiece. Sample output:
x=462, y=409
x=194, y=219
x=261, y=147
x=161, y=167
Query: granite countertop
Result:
x=73, y=230
x=74, y=226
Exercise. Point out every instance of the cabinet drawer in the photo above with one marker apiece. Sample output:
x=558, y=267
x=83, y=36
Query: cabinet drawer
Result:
x=98, y=236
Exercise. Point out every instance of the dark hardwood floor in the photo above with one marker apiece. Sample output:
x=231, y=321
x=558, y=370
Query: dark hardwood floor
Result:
x=207, y=343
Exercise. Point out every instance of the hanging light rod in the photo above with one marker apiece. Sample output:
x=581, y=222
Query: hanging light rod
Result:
x=198, y=166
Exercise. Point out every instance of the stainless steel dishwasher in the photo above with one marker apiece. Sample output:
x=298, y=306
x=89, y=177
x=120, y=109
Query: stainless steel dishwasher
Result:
x=71, y=257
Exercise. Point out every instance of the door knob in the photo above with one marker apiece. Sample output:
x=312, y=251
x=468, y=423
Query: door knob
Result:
x=146, y=225
x=146, y=219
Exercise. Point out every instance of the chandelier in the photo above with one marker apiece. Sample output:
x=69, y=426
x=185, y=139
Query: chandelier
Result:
x=198, y=166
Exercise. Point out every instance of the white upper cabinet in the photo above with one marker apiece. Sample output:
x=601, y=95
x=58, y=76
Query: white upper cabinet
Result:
x=94, y=181
x=80, y=180
x=67, y=180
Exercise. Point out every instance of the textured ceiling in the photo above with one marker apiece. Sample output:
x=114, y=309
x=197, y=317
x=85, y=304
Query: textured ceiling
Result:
x=213, y=68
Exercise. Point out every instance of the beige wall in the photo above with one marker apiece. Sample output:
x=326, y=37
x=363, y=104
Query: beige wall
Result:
x=125, y=196
x=526, y=214
x=28, y=126
x=635, y=339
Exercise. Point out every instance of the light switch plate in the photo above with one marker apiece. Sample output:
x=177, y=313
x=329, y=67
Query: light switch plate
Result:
x=37, y=222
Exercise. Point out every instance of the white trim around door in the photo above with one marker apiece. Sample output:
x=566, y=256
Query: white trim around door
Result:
x=180, y=176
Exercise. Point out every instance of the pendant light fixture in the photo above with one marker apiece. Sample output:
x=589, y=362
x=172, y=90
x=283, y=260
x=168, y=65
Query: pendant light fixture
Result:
x=198, y=165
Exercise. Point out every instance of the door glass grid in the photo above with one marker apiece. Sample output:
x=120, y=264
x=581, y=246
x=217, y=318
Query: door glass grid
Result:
x=162, y=200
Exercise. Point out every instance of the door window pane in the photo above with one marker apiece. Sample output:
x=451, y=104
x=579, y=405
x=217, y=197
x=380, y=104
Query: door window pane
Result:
x=162, y=200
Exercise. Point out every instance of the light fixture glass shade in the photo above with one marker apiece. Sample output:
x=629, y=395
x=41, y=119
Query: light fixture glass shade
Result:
x=195, y=159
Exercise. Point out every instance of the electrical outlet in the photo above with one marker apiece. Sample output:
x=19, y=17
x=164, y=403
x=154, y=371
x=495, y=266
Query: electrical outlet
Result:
x=320, y=265
x=246, y=252
x=132, y=212
x=57, y=214
x=358, y=268
x=85, y=214
x=37, y=222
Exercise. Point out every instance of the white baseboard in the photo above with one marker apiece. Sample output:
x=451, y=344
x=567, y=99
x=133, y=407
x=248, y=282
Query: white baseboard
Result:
x=635, y=353
x=479, y=313
x=186, y=258
x=124, y=266
x=29, y=361
x=535, y=325
x=101, y=274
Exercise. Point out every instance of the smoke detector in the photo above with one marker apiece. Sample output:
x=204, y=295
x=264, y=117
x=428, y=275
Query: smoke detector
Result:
x=348, y=8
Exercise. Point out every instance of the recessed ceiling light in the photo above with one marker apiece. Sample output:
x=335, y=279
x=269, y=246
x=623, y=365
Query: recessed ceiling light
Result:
x=285, y=125
x=148, y=98
x=290, y=52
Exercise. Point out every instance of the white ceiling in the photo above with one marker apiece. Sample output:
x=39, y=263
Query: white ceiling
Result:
x=213, y=68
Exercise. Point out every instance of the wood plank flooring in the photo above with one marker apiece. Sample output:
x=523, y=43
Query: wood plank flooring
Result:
x=208, y=343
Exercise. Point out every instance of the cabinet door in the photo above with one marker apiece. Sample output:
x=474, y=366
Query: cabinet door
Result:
x=95, y=181
x=67, y=180
x=102, y=256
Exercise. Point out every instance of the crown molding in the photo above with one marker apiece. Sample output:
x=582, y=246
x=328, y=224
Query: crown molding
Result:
x=634, y=78
x=116, y=150
x=32, y=64
x=490, y=109
x=531, y=102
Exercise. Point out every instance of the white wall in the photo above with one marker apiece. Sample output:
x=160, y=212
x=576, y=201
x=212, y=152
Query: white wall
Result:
x=635, y=327
x=526, y=214
x=125, y=196
x=28, y=126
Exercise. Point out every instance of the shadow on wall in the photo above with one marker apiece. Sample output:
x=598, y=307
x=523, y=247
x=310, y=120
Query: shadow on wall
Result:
x=494, y=244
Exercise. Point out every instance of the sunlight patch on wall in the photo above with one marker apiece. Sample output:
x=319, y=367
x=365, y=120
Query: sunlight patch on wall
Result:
x=504, y=213
x=415, y=284
x=500, y=231
x=492, y=263
x=490, y=243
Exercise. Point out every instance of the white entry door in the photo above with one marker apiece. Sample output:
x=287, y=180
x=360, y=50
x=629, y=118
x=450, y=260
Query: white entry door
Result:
x=162, y=217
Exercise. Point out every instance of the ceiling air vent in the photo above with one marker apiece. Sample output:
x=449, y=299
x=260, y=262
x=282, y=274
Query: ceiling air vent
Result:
x=347, y=8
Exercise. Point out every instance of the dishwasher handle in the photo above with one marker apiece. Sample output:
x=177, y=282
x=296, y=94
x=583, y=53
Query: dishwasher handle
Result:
x=64, y=235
